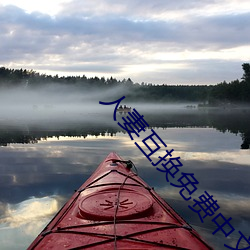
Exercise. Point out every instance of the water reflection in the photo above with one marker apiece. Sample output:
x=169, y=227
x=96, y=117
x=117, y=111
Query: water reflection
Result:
x=234, y=121
x=37, y=178
x=22, y=220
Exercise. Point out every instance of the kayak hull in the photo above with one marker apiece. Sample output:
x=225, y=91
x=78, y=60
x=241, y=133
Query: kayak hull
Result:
x=116, y=209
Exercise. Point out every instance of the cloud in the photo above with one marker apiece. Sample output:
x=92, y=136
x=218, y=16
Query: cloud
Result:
x=29, y=210
x=146, y=10
x=26, y=220
x=116, y=30
x=125, y=39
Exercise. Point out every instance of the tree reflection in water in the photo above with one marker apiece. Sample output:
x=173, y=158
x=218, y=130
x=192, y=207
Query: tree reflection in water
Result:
x=233, y=121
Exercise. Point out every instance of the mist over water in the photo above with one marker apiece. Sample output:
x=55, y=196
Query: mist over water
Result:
x=80, y=132
x=54, y=103
x=58, y=107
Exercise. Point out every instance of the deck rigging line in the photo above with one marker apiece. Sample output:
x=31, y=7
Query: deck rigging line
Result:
x=130, y=174
x=115, y=237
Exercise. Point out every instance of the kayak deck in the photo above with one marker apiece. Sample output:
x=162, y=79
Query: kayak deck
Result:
x=116, y=209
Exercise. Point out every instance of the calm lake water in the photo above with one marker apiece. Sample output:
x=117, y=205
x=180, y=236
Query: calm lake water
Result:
x=44, y=158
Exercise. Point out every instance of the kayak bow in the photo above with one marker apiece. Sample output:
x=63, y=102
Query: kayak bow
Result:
x=116, y=209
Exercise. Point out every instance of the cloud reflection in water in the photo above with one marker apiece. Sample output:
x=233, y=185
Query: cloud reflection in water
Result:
x=60, y=166
x=25, y=220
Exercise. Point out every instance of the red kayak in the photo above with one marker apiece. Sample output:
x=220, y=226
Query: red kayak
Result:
x=116, y=209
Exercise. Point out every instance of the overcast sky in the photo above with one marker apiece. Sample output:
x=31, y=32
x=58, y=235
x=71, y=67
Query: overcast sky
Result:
x=157, y=41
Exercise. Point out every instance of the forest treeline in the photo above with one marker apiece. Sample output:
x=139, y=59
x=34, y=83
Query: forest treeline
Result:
x=236, y=91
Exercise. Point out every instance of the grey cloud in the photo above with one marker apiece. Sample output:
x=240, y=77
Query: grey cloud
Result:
x=220, y=31
x=134, y=8
x=209, y=71
x=109, y=41
x=85, y=68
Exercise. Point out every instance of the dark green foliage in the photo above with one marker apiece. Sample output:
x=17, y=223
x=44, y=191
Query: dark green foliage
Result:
x=220, y=94
x=233, y=92
x=246, y=75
